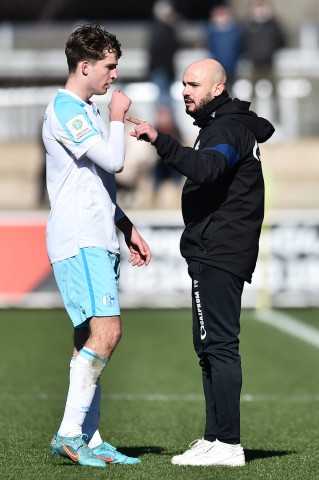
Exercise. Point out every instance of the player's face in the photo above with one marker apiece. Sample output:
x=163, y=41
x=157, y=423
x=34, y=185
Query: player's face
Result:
x=103, y=73
x=197, y=90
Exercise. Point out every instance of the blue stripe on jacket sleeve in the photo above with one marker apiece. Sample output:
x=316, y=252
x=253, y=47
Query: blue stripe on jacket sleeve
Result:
x=232, y=157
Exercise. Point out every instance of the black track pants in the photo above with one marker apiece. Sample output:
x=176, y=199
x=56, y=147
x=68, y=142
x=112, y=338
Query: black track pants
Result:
x=216, y=296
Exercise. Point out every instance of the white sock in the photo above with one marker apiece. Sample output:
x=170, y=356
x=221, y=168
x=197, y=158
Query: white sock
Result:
x=85, y=373
x=96, y=440
x=92, y=419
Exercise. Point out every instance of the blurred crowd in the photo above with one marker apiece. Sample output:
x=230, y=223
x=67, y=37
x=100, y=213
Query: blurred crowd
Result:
x=252, y=43
x=145, y=182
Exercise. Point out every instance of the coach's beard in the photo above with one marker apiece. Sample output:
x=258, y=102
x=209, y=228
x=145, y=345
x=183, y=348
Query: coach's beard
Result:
x=202, y=104
x=209, y=104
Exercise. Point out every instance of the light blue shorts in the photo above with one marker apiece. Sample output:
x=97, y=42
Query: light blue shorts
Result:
x=88, y=284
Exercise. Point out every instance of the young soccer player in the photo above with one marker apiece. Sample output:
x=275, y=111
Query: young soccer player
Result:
x=82, y=158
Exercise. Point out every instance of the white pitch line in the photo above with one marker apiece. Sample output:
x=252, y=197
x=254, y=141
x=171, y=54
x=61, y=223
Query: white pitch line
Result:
x=289, y=325
x=163, y=397
x=247, y=397
x=156, y=397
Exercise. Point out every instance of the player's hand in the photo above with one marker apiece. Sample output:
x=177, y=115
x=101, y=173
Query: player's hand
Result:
x=119, y=105
x=143, y=130
x=140, y=251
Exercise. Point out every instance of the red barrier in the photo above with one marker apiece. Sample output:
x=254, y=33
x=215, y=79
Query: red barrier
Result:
x=24, y=262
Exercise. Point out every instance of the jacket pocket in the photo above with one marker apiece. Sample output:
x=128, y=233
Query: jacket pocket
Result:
x=204, y=232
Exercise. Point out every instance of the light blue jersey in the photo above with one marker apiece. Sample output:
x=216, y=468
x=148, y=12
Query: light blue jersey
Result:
x=82, y=195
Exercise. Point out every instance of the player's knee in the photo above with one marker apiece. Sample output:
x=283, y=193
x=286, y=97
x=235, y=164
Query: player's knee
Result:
x=117, y=336
x=111, y=338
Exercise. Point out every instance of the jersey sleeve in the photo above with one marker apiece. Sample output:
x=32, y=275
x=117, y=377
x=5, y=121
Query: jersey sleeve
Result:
x=73, y=127
x=111, y=155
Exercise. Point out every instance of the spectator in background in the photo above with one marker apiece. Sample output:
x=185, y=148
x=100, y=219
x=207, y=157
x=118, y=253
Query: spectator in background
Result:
x=165, y=178
x=263, y=36
x=224, y=39
x=146, y=182
x=135, y=189
x=163, y=44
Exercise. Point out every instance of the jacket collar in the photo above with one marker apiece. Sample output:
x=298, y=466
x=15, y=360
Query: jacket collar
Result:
x=203, y=116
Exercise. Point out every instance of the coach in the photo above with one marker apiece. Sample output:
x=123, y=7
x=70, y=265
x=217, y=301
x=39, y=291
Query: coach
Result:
x=223, y=210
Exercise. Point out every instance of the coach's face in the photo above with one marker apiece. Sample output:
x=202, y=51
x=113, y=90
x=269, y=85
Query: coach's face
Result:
x=203, y=81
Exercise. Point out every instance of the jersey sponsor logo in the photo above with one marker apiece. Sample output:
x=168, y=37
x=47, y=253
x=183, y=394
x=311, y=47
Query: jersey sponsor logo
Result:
x=108, y=300
x=256, y=151
x=79, y=127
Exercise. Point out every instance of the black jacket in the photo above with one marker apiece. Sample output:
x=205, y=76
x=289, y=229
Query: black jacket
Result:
x=223, y=196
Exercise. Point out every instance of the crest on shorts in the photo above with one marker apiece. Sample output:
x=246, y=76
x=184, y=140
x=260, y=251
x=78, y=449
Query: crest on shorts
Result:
x=108, y=300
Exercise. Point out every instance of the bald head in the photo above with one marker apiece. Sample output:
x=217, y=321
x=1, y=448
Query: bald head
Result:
x=208, y=69
x=203, y=81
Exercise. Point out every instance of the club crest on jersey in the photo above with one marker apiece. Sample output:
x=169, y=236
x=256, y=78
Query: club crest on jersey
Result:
x=108, y=300
x=79, y=127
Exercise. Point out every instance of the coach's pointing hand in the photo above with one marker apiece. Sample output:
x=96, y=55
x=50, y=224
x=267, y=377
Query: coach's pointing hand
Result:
x=143, y=130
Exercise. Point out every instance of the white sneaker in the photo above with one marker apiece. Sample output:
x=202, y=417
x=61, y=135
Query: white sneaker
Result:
x=218, y=454
x=197, y=447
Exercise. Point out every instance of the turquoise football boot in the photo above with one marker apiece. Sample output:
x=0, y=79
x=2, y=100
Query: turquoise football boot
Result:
x=76, y=450
x=109, y=454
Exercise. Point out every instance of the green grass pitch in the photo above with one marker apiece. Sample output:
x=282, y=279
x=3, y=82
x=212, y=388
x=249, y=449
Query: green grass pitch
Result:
x=152, y=398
